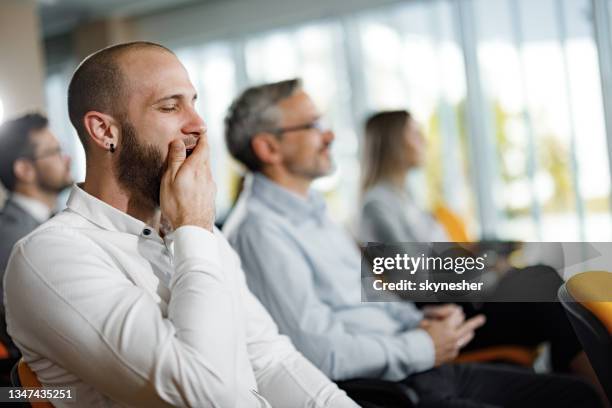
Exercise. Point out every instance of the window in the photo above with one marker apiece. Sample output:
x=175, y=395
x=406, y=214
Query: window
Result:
x=212, y=71
x=56, y=93
x=411, y=60
x=314, y=53
x=539, y=72
x=532, y=95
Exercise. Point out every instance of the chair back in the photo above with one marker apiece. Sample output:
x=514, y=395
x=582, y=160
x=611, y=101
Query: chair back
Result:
x=452, y=223
x=584, y=298
x=23, y=376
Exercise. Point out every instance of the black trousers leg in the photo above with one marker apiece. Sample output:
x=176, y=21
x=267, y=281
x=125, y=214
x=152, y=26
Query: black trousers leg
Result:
x=487, y=386
x=527, y=323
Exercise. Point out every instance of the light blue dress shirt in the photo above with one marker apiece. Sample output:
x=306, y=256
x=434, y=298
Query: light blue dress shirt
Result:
x=305, y=269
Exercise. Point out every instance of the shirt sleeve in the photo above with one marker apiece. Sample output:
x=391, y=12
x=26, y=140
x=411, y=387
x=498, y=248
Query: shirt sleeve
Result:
x=282, y=279
x=67, y=299
x=284, y=377
x=406, y=313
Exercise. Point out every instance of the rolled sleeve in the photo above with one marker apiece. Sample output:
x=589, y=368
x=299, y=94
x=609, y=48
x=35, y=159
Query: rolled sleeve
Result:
x=420, y=351
x=405, y=313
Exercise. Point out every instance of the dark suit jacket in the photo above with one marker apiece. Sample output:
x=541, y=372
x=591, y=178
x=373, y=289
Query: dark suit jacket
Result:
x=15, y=223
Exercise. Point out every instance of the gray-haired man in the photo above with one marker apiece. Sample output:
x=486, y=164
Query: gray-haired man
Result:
x=305, y=270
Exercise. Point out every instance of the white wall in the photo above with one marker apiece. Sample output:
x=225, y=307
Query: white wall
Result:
x=21, y=64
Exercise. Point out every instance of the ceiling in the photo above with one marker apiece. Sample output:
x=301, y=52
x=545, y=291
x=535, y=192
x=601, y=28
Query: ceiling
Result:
x=61, y=16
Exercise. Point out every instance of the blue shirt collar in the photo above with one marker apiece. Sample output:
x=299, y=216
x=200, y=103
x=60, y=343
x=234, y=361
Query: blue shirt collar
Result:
x=287, y=203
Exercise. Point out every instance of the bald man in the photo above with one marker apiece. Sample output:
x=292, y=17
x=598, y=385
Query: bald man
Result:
x=130, y=295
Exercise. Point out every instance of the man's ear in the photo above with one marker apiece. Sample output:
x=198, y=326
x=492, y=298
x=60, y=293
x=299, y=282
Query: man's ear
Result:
x=102, y=128
x=267, y=148
x=24, y=171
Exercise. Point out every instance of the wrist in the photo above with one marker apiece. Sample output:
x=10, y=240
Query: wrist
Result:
x=195, y=222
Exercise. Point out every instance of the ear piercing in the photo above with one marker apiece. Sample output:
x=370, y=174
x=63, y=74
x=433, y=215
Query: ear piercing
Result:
x=112, y=148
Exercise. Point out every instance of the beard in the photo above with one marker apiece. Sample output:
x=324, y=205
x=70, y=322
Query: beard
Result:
x=319, y=166
x=53, y=186
x=140, y=168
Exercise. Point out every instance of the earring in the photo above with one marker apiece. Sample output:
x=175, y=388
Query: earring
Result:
x=112, y=148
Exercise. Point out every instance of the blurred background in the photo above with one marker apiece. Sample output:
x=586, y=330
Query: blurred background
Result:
x=515, y=96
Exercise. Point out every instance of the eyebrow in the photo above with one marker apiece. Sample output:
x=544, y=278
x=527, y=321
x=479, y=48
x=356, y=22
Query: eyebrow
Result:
x=175, y=96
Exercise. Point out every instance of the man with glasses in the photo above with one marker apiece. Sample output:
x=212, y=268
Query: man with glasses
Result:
x=34, y=171
x=306, y=271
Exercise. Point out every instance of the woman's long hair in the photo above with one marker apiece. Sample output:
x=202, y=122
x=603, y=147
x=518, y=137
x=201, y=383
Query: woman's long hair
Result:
x=383, y=153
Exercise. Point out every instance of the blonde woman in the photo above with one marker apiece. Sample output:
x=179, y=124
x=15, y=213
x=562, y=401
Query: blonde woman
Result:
x=393, y=145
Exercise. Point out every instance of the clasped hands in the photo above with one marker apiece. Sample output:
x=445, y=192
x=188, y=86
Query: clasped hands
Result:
x=448, y=329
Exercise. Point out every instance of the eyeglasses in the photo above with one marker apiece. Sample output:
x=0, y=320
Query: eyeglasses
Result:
x=57, y=151
x=314, y=125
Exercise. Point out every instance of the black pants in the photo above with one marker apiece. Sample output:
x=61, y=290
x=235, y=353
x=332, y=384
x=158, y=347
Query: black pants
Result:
x=527, y=323
x=488, y=386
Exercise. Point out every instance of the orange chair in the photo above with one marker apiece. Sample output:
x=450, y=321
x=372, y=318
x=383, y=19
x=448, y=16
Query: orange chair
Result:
x=23, y=376
x=456, y=230
x=520, y=355
x=453, y=225
x=4, y=353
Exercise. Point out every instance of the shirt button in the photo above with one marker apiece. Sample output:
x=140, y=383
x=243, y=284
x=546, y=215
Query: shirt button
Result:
x=146, y=232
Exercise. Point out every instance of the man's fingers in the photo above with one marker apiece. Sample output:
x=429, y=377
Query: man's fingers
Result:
x=200, y=153
x=424, y=323
x=429, y=311
x=456, y=318
x=471, y=324
x=441, y=311
x=176, y=156
x=465, y=339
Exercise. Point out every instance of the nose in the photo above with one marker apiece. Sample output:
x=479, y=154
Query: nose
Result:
x=195, y=125
x=67, y=159
x=329, y=136
x=421, y=138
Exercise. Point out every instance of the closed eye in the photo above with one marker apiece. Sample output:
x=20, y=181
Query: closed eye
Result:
x=169, y=108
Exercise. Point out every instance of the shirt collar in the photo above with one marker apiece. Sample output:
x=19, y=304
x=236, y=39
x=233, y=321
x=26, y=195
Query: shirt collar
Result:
x=106, y=216
x=285, y=202
x=39, y=211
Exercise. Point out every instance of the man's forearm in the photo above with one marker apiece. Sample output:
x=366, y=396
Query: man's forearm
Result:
x=295, y=382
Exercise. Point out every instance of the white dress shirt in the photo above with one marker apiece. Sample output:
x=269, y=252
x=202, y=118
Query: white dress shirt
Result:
x=97, y=300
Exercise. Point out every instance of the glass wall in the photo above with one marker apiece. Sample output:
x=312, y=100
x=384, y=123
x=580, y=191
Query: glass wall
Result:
x=412, y=60
x=314, y=53
x=213, y=72
x=546, y=175
x=56, y=92
x=539, y=69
